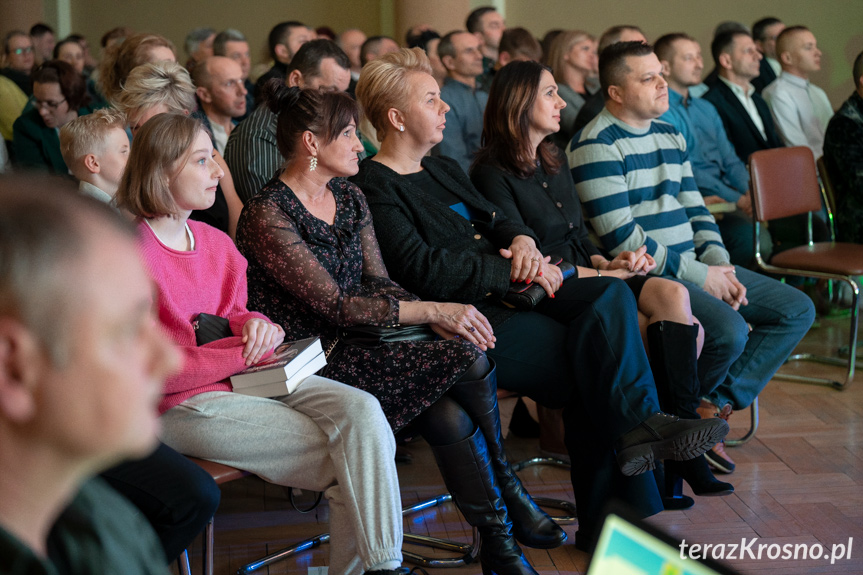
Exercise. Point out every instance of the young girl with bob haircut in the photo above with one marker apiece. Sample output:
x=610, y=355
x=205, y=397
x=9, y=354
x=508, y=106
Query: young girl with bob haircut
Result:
x=324, y=436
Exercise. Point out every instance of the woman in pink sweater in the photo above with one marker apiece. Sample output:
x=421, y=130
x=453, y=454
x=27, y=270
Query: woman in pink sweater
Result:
x=337, y=431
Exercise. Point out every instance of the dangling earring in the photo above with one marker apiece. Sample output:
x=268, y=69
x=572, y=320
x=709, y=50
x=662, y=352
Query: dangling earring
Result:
x=402, y=128
x=313, y=163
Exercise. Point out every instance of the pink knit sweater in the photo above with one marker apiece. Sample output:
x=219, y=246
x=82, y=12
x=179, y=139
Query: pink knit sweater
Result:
x=211, y=279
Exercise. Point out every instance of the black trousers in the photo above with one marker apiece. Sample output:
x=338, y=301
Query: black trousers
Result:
x=176, y=496
x=582, y=351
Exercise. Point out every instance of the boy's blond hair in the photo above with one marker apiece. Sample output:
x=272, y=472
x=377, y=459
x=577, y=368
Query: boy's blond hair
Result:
x=88, y=134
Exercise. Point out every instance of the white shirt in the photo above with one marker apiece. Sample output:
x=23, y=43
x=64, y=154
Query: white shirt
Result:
x=220, y=137
x=745, y=97
x=801, y=111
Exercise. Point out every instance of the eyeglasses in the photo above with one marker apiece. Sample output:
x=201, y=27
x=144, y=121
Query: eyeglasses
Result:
x=47, y=104
x=19, y=51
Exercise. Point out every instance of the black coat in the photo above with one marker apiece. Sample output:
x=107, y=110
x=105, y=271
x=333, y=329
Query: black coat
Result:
x=741, y=130
x=432, y=251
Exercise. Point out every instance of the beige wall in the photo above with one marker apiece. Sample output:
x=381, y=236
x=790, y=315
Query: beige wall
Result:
x=837, y=24
x=255, y=18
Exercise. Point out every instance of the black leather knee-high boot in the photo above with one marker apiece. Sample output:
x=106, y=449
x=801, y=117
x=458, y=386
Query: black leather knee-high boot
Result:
x=532, y=526
x=470, y=478
x=673, y=360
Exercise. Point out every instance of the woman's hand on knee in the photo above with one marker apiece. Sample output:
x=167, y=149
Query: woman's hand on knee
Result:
x=259, y=337
x=455, y=320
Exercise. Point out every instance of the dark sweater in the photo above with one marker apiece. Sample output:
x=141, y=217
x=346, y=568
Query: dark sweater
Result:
x=545, y=203
x=431, y=250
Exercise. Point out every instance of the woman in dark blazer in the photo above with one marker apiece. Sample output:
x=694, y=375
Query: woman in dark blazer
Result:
x=579, y=349
x=59, y=96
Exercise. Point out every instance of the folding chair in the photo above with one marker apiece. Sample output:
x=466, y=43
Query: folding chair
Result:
x=784, y=182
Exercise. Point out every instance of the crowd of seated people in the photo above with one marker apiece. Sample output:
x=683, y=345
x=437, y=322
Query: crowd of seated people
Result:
x=368, y=185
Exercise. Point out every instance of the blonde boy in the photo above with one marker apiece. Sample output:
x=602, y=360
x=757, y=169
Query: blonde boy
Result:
x=96, y=147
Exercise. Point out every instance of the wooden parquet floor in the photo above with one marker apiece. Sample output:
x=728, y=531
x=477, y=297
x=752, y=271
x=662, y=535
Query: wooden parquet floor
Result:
x=800, y=480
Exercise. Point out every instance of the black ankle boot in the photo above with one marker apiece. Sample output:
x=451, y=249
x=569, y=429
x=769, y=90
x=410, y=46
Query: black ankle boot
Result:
x=532, y=526
x=671, y=491
x=697, y=474
x=468, y=474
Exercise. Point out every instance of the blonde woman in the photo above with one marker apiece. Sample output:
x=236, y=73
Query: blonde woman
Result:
x=574, y=62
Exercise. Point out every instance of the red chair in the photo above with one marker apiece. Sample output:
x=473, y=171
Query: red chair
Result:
x=785, y=183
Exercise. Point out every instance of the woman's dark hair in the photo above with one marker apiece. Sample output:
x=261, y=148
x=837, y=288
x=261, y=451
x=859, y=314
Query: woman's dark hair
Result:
x=325, y=114
x=72, y=84
x=506, y=123
x=63, y=42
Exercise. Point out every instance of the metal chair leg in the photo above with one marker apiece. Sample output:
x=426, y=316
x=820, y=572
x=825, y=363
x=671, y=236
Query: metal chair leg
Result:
x=849, y=363
x=183, y=563
x=567, y=507
x=753, y=426
x=468, y=552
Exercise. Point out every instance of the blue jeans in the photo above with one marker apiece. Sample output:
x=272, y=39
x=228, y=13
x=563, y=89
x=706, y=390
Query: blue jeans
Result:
x=736, y=364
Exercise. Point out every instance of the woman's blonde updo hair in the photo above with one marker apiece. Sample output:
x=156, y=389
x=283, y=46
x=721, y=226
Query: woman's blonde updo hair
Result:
x=384, y=84
x=149, y=85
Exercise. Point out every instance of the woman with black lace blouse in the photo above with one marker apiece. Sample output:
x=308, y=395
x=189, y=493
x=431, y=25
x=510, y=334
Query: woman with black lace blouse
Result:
x=315, y=266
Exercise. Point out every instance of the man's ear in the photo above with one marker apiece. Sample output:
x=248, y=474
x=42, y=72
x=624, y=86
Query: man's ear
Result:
x=725, y=61
x=203, y=94
x=785, y=58
x=295, y=79
x=282, y=53
x=666, y=68
x=447, y=62
x=21, y=369
x=615, y=94
x=91, y=162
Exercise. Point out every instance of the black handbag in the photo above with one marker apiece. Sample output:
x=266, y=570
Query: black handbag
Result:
x=525, y=297
x=370, y=336
x=209, y=327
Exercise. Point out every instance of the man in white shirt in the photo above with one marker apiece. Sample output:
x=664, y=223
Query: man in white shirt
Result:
x=800, y=109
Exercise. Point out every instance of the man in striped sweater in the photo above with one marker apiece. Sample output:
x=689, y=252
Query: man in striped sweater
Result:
x=633, y=176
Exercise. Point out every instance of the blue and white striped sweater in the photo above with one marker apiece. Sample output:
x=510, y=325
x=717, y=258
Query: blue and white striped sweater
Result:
x=637, y=189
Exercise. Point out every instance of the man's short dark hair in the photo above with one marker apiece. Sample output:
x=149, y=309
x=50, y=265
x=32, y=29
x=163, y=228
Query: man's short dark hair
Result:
x=10, y=35
x=474, y=19
x=371, y=45
x=279, y=34
x=723, y=44
x=759, y=29
x=222, y=38
x=40, y=29
x=613, y=34
x=664, y=47
x=445, y=47
x=422, y=39
x=308, y=58
x=520, y=42
x=612, y=62
x=857, y=69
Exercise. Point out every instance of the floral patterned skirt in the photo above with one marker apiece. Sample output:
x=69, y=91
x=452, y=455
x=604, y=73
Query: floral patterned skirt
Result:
x=406, y=377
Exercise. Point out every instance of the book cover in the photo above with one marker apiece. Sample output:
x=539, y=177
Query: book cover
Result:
x=279, y=388
x=282, y=365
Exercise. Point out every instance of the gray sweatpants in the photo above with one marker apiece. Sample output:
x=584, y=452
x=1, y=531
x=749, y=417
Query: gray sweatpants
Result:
x=326, y=436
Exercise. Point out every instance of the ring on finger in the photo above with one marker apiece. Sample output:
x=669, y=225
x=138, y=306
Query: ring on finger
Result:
x=534, y=259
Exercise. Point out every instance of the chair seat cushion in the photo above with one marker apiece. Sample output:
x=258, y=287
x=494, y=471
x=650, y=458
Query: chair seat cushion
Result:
x=221, y=473
x=836, y=258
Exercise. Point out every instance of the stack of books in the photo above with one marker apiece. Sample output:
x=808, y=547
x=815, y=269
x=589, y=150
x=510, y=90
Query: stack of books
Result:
x=282, y=372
